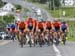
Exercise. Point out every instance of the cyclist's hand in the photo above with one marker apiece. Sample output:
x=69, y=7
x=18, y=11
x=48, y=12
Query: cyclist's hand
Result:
x=38, y=30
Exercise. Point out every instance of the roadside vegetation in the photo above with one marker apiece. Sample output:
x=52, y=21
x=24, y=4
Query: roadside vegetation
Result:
x=2, y=3
x=4, y=20
x=71, y=34
x=56, y=10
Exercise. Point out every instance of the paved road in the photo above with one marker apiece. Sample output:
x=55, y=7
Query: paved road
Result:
x=68, y=49
x=13, y=49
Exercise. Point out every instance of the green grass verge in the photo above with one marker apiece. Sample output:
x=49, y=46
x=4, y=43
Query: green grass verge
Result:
x=70, y=11
x=71, y=34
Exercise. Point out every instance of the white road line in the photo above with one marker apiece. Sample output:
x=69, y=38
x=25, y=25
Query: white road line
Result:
x=5, y=42
x=56, y=50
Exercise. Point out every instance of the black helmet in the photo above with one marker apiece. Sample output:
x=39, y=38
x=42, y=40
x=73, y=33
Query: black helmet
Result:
x=63, y=22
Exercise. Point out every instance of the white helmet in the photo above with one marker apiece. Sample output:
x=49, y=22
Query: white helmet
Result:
x=18, y=19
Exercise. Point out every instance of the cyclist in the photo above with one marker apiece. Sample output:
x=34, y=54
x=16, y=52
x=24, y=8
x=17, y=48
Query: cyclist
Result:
x=57, y=25
x=22, y=26
x=57, y=29
x=22, y=32
x=64, y=29
x=40, y=26
x=64, y=26
x=13, y=28
x=40, y=29
x=30, y=24
x=49, y=25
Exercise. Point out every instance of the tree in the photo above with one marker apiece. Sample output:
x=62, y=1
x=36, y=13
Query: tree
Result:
x=57, y=3
x=51, y=4
x=18, y=7
x=8, y=19
x=43, y=1
x=1, y=3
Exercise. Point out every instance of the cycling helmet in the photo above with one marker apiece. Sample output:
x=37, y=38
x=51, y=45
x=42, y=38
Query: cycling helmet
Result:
x=13, y=25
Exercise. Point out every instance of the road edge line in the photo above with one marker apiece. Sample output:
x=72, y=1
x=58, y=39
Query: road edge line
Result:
x=56, y=50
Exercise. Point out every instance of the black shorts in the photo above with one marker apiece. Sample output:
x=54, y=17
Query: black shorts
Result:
x=63, y=29
x=48, y=28
x=57, y=29
x=34, y=29
x=13, y=29
x=30, y=27
x=8, y=29
x=21, y=29
x=41, y=29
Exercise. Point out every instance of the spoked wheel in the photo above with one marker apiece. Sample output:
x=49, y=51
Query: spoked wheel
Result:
x=40, y=41
x=56, y=38
x=22, y=41
x=30, y=42
x=13, y=36
x=30, y=39
x=64, y=39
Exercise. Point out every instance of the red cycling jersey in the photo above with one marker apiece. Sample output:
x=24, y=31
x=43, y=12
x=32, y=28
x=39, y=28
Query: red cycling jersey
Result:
x=22, y=25
x=56, y=24
x=40, y=25
x=49, y=24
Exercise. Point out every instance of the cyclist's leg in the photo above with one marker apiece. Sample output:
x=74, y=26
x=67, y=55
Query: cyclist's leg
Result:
x=21, y=35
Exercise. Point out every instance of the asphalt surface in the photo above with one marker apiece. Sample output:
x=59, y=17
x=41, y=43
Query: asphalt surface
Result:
x=68, y=49
x=13, y=49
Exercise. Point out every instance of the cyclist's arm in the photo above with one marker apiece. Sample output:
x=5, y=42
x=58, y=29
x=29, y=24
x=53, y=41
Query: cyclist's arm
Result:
x=44, y=26
x=37, y=27
x=33, y=27
x=26, y=26
x=53, y=26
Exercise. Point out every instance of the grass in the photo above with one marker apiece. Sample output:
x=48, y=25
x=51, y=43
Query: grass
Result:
x=71, y=34
x=70, y=11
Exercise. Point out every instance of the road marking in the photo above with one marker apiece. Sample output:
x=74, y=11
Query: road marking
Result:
x=56, y=50
x=4, y=42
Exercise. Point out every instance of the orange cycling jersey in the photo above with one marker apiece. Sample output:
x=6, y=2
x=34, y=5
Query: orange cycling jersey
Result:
x=30, y=21
x=40, y=25
x=35, y=23
x=56, y=24
x=49, y=24
x=22, y=25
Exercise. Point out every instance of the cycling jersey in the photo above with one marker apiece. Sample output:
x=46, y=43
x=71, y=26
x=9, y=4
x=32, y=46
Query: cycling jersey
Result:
x=13, y=26
x=40, y=25
x=30, y=23
x=22, y=26
x=64, y=27
x=49, y=25
x=56, y=26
